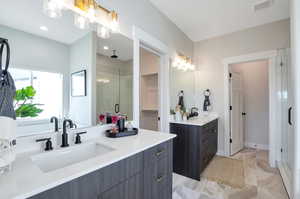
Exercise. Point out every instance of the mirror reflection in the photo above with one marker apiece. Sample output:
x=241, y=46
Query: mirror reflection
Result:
x=114, y=78
x=45, y=52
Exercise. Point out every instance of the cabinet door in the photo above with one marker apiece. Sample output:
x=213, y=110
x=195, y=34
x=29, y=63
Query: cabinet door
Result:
x=130, y=189
x=63, y=191
x=193, y=163
x=181, y=147
x=120, y=171
x=87, y=186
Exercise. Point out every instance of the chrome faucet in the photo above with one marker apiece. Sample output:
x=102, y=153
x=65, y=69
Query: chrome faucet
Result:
x=55, y=120
x=64, y=142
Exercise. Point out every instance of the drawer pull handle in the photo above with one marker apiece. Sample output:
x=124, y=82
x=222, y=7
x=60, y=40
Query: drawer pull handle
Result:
x=158, y=153
x=159, y=179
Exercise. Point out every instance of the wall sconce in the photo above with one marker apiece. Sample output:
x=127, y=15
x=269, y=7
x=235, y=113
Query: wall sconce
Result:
x=183, y=63
x=86, y=12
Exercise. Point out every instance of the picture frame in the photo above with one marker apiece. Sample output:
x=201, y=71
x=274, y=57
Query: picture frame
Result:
x=78, y=84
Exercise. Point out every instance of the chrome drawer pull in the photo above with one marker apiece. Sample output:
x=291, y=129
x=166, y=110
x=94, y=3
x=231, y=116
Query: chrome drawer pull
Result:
x=158, y=153
x=159, y=179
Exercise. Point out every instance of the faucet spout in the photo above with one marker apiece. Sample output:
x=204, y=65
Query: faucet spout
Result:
x=55, y=120
x=65, y=134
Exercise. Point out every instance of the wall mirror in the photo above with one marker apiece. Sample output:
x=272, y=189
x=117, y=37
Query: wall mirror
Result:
x=46, y=51
x=78, y=84
x=114, y=90
x=183, y=81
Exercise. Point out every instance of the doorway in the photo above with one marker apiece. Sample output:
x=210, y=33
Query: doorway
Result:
x=249, y=105
x=274, y=120
x=149, y=89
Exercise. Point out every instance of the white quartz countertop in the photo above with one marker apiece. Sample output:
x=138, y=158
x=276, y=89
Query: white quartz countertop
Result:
x=26, y=179
x=201, y=120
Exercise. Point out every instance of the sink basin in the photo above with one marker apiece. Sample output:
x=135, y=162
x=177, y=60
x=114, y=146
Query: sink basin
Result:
x=61, y=158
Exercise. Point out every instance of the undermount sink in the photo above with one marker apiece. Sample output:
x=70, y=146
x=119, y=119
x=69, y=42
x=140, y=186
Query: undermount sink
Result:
x=61, y=158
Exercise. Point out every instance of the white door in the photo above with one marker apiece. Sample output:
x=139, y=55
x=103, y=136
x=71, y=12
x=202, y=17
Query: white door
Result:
x=236, y=111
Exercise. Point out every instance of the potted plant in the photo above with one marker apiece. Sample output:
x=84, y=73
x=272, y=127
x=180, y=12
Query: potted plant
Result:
x=23, y=103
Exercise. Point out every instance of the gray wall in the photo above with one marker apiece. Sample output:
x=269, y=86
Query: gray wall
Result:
x=210, y=53
x=83, y=57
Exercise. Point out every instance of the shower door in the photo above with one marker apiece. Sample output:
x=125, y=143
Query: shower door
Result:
x=287, y=131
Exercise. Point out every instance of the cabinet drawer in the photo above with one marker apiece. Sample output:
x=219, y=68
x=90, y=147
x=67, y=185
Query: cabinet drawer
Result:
x=130, y=189
x=120, y=171
x=157, y=179
x=157, y=153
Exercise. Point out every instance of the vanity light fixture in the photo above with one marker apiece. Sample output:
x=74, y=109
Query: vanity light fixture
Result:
x=105, y=47
x=183, y=63
x=86, y=13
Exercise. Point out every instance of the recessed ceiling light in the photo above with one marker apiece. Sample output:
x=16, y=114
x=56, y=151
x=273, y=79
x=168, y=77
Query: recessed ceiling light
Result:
x=44, y=28
x=105, y=47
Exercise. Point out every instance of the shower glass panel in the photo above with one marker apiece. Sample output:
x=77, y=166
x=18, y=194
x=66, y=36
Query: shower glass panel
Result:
x=287, y=132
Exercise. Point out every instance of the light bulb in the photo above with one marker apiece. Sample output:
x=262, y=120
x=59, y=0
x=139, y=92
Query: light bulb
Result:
x=114, y=24
x=53, y=8
x=103, y=32
x=91, y=14
x=81, y=22
x=193, y=67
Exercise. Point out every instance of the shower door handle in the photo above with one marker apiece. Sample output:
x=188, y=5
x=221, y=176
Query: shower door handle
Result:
x=290, y=116
x=117, y=108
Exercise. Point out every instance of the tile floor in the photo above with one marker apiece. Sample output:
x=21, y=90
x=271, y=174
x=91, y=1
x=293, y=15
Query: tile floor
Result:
x=262, y=182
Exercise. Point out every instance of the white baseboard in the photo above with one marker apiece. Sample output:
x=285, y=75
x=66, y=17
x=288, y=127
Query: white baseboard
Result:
x=220, y=153
x=286, y=177
x=257, y=146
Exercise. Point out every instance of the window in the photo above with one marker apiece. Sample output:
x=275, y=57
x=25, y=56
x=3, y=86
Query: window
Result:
x=49, y=90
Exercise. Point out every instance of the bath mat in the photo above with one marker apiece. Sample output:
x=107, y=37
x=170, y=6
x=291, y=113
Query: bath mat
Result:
x=226, y=171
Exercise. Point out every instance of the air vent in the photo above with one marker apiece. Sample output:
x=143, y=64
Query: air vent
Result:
x=262, y=4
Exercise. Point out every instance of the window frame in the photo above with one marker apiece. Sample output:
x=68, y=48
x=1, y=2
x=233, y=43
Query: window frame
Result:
x=22, y=122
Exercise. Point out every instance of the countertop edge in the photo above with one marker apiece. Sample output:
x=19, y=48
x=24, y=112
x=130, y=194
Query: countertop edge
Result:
x=87, y=171
x=193, y=124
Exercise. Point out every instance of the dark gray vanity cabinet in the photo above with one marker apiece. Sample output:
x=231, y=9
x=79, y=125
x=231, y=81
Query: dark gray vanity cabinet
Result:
x=194, y=147
x=158, y=168
x=146, y=175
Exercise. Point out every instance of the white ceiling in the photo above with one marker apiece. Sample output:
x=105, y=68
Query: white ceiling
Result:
x=118, y=42
x=203, y=19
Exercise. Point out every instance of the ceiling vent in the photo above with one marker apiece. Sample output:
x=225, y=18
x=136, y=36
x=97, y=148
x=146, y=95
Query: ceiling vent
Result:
x=262, y=4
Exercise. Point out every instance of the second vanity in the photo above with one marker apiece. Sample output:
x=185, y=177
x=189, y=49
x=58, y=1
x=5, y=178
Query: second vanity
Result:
x=125, y=168
x=195, y=145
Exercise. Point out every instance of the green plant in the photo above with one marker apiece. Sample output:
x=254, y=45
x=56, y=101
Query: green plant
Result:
x=23, y=105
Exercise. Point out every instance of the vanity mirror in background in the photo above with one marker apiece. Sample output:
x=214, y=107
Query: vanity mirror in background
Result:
x=45, y=52
x=186, y=81
x=114, y=89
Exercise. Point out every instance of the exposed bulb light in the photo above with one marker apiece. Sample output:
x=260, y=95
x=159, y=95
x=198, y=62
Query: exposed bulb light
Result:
x=183, y=63
x=53, y=8
x=105, y=47
x=91, y=14
x=103, y=32
x=114, y=24
x=81, y=22
x=44, y=28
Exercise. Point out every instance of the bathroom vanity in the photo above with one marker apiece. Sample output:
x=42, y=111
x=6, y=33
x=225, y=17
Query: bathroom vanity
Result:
x=195, y=145
x=125, y=168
